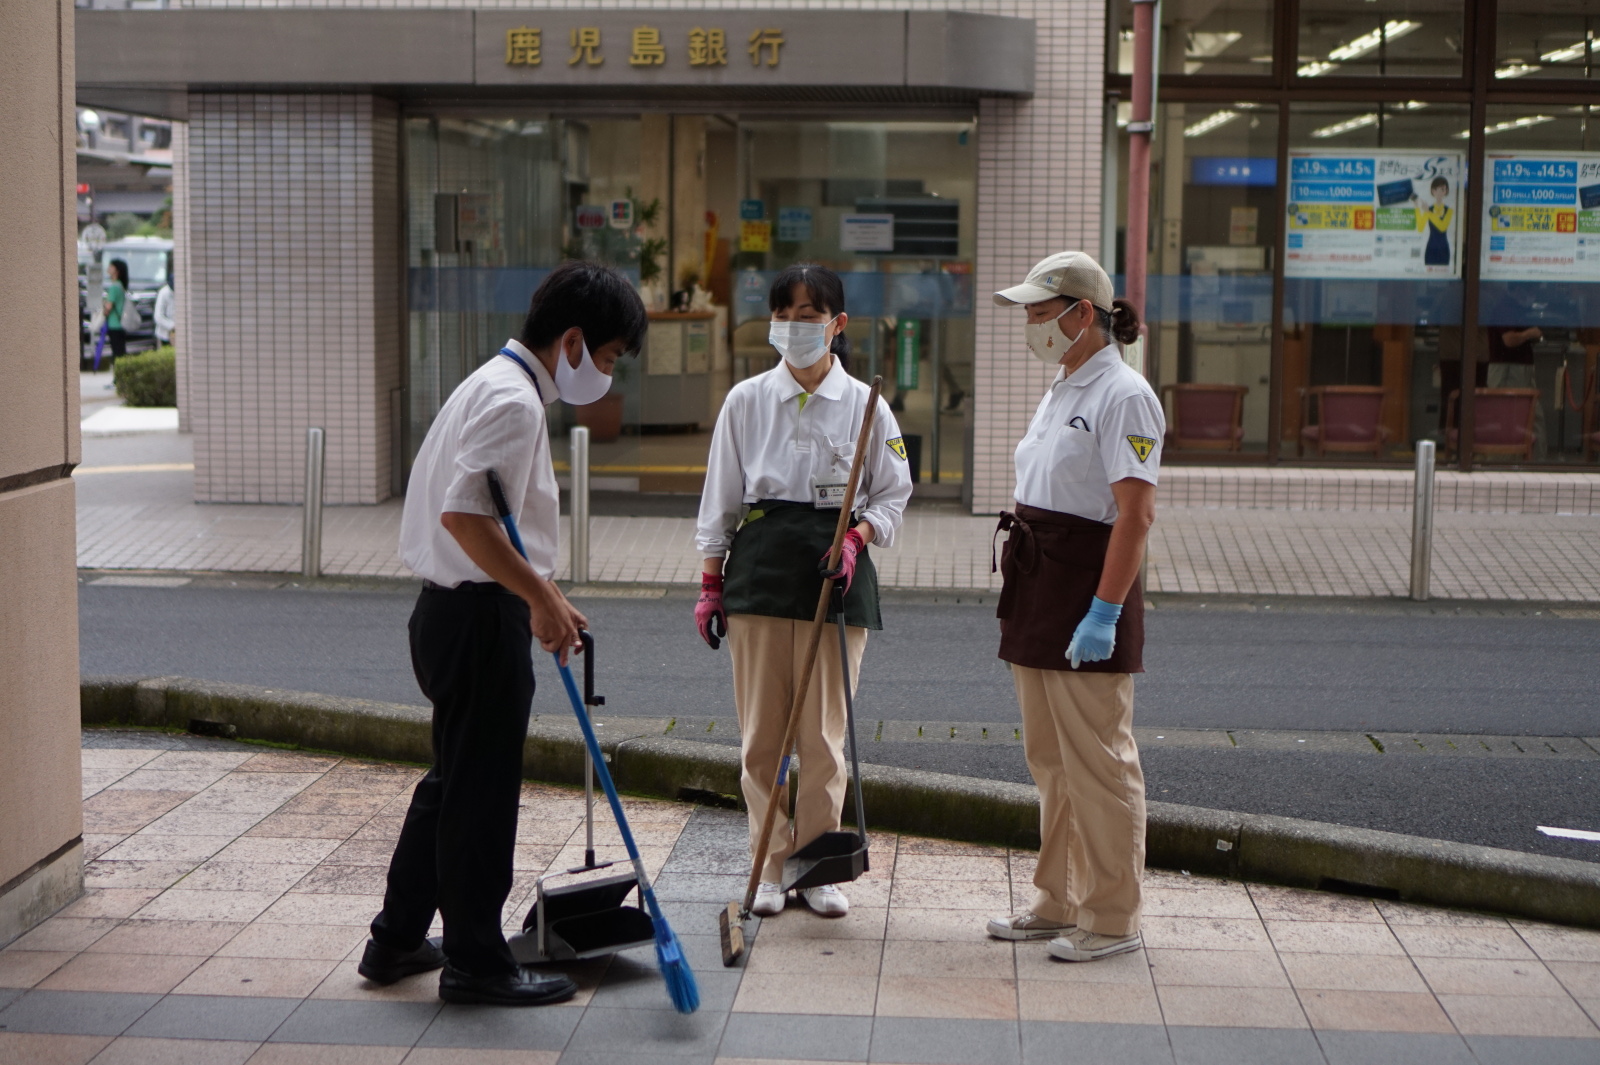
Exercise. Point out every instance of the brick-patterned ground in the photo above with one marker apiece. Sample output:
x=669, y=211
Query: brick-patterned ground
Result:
x=229, y=888
x=1225, y=531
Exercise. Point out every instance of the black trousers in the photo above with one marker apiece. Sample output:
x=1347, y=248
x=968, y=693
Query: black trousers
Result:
x=470, y=649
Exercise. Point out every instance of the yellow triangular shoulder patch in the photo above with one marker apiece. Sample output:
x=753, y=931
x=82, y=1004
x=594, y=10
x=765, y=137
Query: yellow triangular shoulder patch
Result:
x=898, y=446
x=1142, y=446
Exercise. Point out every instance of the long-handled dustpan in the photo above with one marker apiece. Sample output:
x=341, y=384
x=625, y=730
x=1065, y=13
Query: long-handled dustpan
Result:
x=835, y=857
x=682, y=988
x=730, y=921
x=586, y=918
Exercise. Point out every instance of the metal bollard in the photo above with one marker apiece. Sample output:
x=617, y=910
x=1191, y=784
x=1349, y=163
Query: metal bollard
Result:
x=579, y=452
x=1422, y=522
x=311, y=533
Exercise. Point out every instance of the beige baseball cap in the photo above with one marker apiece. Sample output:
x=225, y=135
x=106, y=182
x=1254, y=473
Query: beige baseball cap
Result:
x=1072, y=274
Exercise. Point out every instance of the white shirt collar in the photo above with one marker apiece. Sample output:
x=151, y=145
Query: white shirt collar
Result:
x=548, y=391
x=1093, y=367
x=831, y=387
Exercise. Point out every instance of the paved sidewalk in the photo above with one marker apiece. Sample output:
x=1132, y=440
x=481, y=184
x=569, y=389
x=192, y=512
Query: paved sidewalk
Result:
x=230, y=887
x=1242, y=531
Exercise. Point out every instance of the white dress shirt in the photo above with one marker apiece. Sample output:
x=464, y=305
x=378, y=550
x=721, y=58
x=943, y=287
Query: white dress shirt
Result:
x=495, y=419
x=769, y=444
x=1101, y=424
x=166, y=313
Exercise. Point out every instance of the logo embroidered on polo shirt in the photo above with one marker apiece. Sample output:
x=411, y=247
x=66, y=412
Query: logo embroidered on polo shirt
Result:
x=1142, y=446
x=898, y=446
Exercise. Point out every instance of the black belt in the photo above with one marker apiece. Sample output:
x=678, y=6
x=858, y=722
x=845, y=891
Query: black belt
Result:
x=469, y=587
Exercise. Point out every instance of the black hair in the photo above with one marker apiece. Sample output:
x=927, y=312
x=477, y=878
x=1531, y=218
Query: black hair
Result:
x=826, y=292
x=595, y=298
x=1120, y=323
x=121, y=267
x=1436, y=182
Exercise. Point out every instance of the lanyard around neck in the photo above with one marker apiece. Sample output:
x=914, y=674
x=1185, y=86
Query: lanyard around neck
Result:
x=514, y=357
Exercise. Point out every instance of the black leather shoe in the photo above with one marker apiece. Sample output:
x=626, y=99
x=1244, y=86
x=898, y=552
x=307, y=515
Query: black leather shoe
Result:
x=525, y=987
x=385, y=965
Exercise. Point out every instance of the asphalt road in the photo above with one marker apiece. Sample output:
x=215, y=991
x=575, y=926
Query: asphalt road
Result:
x=1318, y=665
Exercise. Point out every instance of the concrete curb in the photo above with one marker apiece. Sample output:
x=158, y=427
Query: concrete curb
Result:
x=1255, y=847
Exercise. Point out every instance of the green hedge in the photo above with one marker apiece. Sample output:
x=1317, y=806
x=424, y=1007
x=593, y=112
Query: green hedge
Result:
x=148, y=380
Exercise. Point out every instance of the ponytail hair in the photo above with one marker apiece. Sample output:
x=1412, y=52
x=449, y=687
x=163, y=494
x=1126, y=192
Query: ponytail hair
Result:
x=826, y=292
x=1120, y=323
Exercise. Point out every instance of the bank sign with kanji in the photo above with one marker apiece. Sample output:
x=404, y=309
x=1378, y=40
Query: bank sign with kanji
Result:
x=588, y=48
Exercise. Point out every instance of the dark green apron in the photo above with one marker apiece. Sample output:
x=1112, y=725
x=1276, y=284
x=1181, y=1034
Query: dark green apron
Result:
x=772, y=566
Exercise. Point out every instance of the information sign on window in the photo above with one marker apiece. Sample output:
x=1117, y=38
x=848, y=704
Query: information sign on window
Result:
x=1372, y=215
x=1542, y=216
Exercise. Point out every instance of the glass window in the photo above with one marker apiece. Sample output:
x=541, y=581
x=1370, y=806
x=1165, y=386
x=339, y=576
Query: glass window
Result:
x=1561, y=39
x=891, y=206
x=1372, y=285
x=1209, y=295
x=1539, y=300
x=1359, y=38
x=1231, y=37
x=700, y=212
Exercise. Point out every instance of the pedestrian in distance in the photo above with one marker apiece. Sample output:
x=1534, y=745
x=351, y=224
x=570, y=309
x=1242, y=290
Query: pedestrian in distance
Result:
x=166, y=315
x=114, y=302
x=1071, y=612
x=775, y=480
x=469, y=634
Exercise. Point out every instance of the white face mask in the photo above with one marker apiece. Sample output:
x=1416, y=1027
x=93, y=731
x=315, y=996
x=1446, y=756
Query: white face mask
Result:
x=800, y=343
x=582, y=384
x=1046, y=340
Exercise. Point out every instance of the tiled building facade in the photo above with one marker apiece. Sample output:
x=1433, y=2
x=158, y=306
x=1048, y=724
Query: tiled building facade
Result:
x=290, y=251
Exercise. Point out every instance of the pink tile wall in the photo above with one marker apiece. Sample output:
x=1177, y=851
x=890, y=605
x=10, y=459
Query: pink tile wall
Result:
x=290, y=247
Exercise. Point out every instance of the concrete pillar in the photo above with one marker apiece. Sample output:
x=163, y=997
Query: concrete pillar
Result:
x=688, y=195
x=41, y=819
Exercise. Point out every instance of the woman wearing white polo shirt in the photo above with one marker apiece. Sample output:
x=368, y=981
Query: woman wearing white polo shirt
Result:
x=1071, y=613
x=775, y=480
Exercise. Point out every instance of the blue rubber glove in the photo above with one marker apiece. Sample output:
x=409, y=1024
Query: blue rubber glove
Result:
x=1097, y=633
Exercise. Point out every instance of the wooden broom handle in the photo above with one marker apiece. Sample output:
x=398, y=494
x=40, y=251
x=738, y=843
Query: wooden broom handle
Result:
x=818, y=622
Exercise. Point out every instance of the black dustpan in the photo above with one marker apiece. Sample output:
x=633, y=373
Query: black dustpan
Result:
x=835, y=857
x=585, y=919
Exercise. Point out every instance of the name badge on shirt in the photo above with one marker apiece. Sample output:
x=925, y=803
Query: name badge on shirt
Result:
x=828, y=495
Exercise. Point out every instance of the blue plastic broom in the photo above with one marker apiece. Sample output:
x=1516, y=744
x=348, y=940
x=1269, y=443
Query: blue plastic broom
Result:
x=675, y=970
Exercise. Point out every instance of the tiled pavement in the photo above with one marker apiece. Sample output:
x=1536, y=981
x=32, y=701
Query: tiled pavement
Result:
x=230, y=886
x=1218, y=531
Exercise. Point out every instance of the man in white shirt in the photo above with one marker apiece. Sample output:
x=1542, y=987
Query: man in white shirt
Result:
x=469, y=634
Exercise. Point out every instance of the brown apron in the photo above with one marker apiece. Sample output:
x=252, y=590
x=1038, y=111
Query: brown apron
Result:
x=1051, y=564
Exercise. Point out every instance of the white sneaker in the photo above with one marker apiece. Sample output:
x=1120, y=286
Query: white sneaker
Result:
x=826, y=901
x=770, y=899
x=1027, y=925
x=1084, y=945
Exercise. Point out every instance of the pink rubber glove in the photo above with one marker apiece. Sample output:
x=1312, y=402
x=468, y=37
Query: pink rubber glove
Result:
x=853, y=543
x=709, y=616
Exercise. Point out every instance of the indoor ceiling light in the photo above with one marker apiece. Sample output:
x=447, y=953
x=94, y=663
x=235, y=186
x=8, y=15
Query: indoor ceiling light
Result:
x=1516, y=69
x=1370, y=41
x=1203, y=45
x=1210, y=122
x=1359, y=122
x=1567, y=54
x=1510, y=124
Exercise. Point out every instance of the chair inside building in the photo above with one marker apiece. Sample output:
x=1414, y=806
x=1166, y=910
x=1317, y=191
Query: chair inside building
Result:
x=1204, y=417
x=1503, y=422
x=1343, y=418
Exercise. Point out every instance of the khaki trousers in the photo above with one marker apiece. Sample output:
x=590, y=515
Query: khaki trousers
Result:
x=768, y=654
x=1077, y=734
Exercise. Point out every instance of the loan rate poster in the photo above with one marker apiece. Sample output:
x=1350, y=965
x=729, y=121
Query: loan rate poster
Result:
x=1542, y=216
x=1378, y=214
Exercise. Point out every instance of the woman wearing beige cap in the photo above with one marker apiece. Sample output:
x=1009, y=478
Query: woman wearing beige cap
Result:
x=1071, y=614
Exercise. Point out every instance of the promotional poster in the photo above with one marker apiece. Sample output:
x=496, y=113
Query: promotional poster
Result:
x=1542, y=216
x=1374, y=214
